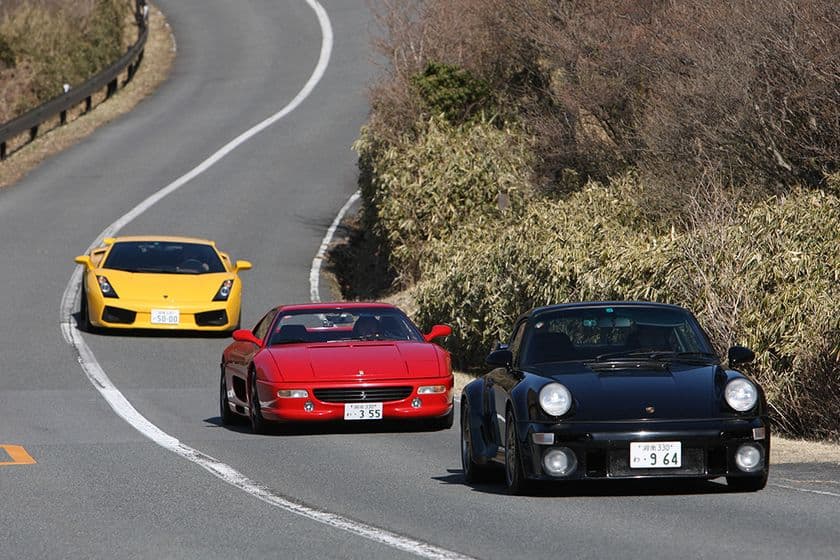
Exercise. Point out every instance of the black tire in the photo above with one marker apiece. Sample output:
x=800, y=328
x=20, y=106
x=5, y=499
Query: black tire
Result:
x=442, y=423
x=227, y=416
x=473, y=472
x=258, y=423
x=746, y=483
x=515, y=479
x=84, y=313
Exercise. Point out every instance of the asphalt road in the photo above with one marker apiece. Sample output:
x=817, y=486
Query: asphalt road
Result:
x=100, y=488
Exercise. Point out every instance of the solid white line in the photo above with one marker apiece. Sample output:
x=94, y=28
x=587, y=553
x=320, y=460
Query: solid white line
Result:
x=123, y=408
x=820, y=492
x=317, y=262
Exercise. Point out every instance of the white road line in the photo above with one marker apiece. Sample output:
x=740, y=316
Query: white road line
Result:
x=318, y=261
x=123, y=408
x=809, y=491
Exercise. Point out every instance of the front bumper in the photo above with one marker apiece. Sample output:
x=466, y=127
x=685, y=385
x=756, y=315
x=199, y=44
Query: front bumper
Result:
x=276, y=409
x=602, y=450
x=116, y=313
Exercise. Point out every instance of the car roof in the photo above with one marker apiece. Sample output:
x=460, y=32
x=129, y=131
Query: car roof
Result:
x=165, y=238
x=584, y=304
x=336, y=305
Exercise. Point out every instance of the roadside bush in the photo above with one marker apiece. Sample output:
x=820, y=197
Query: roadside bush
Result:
x=416, y=192
x=451, y=91
x=768, y=277
x=60, y=44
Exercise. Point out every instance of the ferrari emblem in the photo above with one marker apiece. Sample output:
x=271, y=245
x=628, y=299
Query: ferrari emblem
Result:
x=649, y=409
x=361, y=372
x=362, y=395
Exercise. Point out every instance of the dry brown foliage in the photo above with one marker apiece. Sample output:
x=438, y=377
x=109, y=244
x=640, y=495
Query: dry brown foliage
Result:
x=739, y=91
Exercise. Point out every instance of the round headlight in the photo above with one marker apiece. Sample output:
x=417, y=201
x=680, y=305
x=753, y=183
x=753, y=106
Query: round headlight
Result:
x=741, y=394
x=555, y=399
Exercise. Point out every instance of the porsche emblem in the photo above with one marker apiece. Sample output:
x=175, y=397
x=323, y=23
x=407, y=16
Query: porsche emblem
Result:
x=649, y=409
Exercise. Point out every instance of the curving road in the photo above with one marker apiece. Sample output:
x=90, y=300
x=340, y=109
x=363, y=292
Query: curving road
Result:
x=101, y=488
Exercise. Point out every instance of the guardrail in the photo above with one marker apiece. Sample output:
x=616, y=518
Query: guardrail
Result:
x=32, y=120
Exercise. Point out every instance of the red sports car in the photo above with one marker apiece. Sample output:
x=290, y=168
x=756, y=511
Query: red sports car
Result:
x=336, y=361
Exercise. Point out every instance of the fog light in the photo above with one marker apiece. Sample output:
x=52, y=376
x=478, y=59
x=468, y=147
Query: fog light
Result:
x=758, y=433
x=560, y=461
x=748, y=457
x=308, y=406
x=416, y=402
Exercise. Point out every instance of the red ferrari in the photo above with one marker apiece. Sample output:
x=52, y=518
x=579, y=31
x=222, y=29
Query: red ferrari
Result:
x=336, y=361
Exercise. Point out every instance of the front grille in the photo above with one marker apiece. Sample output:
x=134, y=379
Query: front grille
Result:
x=117, y=315
x=370, y=394
x=693, y=463
x=211, y=318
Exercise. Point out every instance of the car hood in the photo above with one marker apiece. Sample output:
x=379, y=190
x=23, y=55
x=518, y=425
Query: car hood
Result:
x=356, y=360
x=168, y=289
x=678, y=391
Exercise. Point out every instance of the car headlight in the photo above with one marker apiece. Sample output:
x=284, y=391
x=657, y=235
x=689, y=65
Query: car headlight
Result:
x=106, y=288
x=741, y=394
x=224, y=291
x=431, y=389
x=555, y=399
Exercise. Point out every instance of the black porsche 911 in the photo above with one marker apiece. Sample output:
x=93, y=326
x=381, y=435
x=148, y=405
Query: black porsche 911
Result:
x=614, y=390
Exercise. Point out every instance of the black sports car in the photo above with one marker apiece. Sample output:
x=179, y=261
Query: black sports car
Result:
x=614, y=390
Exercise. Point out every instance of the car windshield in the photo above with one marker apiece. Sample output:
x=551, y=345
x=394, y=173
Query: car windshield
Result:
x=336, y=325
x=164, y=257
x=615, y=333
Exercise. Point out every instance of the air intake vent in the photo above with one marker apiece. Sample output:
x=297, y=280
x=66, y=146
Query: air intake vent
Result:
x=370, y=394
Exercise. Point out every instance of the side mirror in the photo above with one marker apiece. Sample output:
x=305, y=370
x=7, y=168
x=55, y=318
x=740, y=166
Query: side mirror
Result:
x=243, y=265
x=740, y=355
x=437, y=331
x=499, y=358
x=85, y=260
x=244, y=335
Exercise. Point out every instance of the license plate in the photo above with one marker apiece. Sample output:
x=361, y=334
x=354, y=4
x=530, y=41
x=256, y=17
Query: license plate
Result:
x=363, y=411
x=166, y=316
x=655, y=454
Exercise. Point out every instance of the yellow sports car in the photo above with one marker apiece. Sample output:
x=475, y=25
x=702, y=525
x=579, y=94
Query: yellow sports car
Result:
x=160, y=283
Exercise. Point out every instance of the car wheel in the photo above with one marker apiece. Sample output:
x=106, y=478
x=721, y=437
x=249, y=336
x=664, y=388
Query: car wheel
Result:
x=746, y=483
x=227, y=416
x=514, y=474
x=473, y=472
x=258, y=423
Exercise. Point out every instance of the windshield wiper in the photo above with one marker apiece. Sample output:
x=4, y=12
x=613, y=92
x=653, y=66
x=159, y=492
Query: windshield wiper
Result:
x=651, y=354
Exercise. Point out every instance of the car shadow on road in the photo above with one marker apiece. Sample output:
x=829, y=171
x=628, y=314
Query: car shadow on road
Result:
x=326, y=428
x=493, y=483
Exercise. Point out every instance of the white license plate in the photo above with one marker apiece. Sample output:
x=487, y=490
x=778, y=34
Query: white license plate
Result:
x=166, y=316
x=655, y=454
x=363, y=411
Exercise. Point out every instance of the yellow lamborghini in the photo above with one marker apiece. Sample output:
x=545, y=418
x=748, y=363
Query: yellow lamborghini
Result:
x=160, y=283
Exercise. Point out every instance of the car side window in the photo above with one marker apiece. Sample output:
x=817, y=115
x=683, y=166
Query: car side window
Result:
x=261, y=330
x=516, y=340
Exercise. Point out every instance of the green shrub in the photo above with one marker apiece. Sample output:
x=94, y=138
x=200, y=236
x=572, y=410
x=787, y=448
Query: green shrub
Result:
x=424, y=190
x=450, y=91
x=769, y=279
